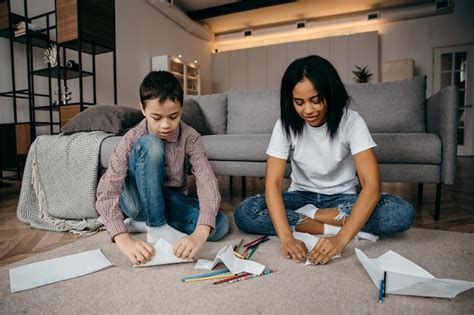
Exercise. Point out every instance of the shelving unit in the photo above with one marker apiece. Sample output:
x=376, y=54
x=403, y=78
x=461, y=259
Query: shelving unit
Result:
x=76, y=27
x=193, y=79
x=187, y=73
x=84, y=27
x=21, y=131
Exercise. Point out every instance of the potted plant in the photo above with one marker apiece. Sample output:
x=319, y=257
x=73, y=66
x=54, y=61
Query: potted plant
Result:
x=362, y=75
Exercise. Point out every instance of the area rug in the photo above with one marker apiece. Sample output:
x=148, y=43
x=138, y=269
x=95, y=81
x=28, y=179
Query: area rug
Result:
x=342, y=286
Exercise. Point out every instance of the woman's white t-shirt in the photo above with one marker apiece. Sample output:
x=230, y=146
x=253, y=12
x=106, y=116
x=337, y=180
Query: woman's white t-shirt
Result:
x=318, y=163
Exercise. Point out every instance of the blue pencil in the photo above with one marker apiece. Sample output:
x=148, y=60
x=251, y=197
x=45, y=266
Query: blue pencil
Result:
x=381, y=289
x=217, y=272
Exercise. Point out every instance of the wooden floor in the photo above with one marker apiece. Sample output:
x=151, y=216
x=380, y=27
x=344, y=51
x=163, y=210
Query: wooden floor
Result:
x=18, y=240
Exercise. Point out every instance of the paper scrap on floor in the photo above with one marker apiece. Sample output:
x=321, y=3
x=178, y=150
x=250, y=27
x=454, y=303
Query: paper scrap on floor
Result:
x=310, y=241
x=163, y=255
x=57, y=269
x=404, y=277
x=234, y=264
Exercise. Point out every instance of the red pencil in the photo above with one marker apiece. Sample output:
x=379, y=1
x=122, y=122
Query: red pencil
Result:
x=240, y=275
x=254, y=241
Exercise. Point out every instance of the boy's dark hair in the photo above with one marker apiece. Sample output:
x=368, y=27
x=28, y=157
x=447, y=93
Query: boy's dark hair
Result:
x=161, y=85
x=322, y=74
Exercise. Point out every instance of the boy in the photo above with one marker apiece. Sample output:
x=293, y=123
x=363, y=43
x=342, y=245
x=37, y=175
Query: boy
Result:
x=146, y=179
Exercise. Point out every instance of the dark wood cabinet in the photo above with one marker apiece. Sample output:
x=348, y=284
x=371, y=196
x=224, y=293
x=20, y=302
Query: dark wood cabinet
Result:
x=90, y=23
x=15, y=142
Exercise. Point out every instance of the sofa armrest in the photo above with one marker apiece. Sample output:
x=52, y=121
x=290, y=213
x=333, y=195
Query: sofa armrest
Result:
x=441, y=114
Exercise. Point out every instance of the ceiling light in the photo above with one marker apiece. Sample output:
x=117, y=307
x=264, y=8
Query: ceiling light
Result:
x=372, y=16
x=301, y=24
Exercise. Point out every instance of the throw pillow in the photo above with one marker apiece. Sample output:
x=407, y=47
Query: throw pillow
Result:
x=115, y=119
x=194, y=117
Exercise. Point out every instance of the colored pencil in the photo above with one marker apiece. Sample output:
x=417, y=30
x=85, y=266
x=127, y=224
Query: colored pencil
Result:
x=251, y=252
x=262, y=241
x=255, y=241
x=381, y=291
x=216, y=277
x=238, y=246
x=240, y=275
x=217, y=272
x=238, y=255
x=266, y=272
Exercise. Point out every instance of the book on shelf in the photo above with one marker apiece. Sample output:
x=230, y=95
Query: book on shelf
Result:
x=20, y=28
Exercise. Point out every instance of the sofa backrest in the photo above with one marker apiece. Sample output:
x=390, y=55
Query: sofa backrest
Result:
x=397, y=106
x=252, y=111
x=214, y=110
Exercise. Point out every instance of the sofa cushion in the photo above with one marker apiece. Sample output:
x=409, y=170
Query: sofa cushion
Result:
x=115, y=119
x=243, y=147
x=106, y=149
x=397, y=106
x=194, y=117
x=408, y=148
x=253, y=111
x=214, y=109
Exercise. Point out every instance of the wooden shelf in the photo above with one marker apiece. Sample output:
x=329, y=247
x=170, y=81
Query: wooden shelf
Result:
x=86, y=47
x=90, y=21
x=65, y=73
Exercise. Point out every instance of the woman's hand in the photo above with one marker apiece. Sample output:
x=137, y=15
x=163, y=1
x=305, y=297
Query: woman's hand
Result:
x=188, y=246
x=292, y=248
x=326, y=248
x=138, y=252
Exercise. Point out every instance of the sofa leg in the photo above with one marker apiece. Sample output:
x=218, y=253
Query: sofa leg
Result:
x=231, y=186
x=243, y=187
x=438, y=201
x=420, y=193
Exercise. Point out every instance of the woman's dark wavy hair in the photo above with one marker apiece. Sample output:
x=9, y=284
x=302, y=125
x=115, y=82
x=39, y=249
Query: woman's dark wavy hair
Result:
x=161, y=85
x=322, y=74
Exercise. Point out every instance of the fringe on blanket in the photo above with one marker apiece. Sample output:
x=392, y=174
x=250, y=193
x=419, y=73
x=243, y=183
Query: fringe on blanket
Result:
x=38, y=200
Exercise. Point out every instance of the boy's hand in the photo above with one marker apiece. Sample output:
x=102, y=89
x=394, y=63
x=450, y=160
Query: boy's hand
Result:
x=138, y=252
x=292, y=248
x=325, y=249
x=188, y=246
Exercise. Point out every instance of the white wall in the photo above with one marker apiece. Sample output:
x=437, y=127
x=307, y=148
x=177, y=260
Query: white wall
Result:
x=414, y=38
x=417, y=38
x=263, y=67
x=141, y=32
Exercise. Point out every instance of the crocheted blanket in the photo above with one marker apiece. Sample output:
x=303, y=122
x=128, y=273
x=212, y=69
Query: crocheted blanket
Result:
x=60, y=178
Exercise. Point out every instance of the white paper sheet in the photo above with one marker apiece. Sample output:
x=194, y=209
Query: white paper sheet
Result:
x=310, y=241
x=404, y=277
x=163, y=255
x=234, y=264
x=54, y=270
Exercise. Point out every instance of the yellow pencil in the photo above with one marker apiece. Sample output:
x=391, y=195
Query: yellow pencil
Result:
x=239, y=255
x=221, y=276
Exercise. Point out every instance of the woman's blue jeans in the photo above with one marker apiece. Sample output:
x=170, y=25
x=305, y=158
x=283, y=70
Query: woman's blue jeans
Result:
x=391, y=215
x=145, y=199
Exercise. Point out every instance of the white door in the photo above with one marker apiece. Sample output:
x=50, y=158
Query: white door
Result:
x=455, y=66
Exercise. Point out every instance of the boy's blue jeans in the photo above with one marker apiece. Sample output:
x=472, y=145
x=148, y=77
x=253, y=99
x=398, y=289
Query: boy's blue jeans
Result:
x=145, y=199
x=391, y=215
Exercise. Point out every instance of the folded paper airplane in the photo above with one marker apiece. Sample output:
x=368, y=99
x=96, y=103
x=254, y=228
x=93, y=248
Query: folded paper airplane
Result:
x=310, y=241
x=404, y=277
x=234, y=264
x=163, y=255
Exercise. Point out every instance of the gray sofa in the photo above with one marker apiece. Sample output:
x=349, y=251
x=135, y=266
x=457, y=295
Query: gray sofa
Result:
x=415, y=136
